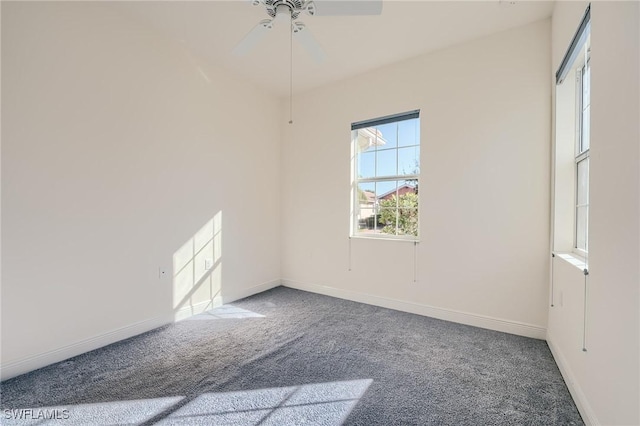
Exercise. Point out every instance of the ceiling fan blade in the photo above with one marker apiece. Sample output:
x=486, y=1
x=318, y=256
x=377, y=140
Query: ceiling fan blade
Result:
x=255, y=35
x=302, y=34
x=346, y=7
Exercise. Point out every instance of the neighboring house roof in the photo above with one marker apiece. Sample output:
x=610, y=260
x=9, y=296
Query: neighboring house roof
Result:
x=403, y=189
x=370, y=196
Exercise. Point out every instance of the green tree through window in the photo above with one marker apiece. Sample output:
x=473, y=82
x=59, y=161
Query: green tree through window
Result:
x=404, y=219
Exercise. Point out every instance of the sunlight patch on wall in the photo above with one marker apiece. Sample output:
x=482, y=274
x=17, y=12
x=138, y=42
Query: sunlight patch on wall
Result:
x=197, y=271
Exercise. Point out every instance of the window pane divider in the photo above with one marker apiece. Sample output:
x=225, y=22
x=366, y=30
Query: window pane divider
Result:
x=393, y=148
x=584, y=154
x=388, y=178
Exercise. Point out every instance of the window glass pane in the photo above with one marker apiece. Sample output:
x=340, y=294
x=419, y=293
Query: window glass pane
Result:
x=368, y=139
x=387, y=206
x=583, y=182
x=408, y=132
x=409, y=161
x=389, y=133
x=408, y=221
x=386, y=190
x=407, y=197
x=585, y=135
x=586, y=230
x=366, y=220
x=388, y=219
x=367, y=164
x=366, y=194
x=581, y=227
x=363, y=140
x=408, y=209
x=386, y=162
x=585, y=131
x=366, y=206
x=586, y=86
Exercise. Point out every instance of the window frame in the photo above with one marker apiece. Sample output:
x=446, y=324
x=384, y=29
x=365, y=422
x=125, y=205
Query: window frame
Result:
x=357, y=181
x=582, y=153
x=567, y=155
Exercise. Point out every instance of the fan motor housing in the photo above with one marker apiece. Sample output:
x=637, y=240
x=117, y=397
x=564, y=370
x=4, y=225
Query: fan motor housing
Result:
x=294, y=5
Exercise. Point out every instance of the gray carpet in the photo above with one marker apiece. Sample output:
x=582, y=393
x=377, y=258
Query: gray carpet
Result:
x=291, y=357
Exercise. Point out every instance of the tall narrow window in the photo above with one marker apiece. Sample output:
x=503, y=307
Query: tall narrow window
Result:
x=386, y=176
x=572, y=143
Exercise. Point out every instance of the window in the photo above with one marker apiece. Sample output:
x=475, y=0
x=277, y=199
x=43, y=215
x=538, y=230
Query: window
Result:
x=582, y=157
x=572, y=144
x=386, y=175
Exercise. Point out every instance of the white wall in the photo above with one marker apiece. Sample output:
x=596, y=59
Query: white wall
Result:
x=605, y=380
x=484, y=218
x=118, y=147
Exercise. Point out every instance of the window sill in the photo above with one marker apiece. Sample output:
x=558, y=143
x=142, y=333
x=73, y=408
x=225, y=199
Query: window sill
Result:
x=364, y=237
x=575, y=260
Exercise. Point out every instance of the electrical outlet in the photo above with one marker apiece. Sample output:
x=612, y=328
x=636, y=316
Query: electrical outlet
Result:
x=208, y=263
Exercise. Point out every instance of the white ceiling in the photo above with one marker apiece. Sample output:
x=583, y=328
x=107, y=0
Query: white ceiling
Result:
x=353, y=44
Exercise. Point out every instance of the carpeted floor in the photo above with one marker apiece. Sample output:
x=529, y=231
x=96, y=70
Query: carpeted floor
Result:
x=291, y=357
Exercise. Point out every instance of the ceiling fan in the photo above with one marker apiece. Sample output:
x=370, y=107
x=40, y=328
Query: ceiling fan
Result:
x=284, y=12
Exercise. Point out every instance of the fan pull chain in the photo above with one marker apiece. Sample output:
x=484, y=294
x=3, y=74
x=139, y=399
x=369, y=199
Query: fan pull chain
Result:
x=553, y=255
x=586, y=296
x=415, y=261
x=584, y=322
x=291, y=73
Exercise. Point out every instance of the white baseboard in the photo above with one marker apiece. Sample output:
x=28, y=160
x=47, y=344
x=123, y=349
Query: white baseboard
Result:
x=579, y=398
x=497, y=324
x=15, y=368
x=22, y=366
x=231, y=296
